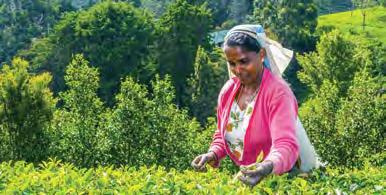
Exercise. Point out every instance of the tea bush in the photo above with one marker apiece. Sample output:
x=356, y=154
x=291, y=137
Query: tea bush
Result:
x=145, y=127
x=345, y=115
x=74, y=131
x=55, y=177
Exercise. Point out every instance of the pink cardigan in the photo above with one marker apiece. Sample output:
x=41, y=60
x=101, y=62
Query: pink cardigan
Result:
x=271, y=127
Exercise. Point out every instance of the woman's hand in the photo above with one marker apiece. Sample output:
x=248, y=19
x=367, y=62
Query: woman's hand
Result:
x=200, y=161
x=252, y=177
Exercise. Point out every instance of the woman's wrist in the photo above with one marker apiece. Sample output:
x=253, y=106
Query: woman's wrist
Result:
x=270, y=165
x=213, y=155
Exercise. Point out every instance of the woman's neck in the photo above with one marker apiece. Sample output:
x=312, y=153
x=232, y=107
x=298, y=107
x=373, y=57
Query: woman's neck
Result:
x=253, y=86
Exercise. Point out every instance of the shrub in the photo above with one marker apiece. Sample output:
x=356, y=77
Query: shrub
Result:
x=75, y=128
x=360, y=122
x=333, y=60
x=345, y=116
x=26, y=108
x=204, y=85
x=147, y=128
x=55, y=177
x=143, y=128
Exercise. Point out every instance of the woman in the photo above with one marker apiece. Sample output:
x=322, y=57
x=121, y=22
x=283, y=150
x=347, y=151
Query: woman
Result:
x=257, y=111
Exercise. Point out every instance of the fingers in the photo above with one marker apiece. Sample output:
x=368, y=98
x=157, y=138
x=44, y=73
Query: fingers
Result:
x=261, y=169
x=202, y=161
x=195, y=162
x=253, y=172
x=199, y=163
x=251, y=181
x=197, y=159
x=246, y=167
x=250, y=173
x=202, y=169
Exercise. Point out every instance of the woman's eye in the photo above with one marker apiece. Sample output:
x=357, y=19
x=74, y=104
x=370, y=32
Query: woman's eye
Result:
x=231, y=64
x=244, y=61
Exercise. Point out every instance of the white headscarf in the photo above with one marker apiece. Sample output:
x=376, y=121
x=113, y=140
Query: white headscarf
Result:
x=277, y=57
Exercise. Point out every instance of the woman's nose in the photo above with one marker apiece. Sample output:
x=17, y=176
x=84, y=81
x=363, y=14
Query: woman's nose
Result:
x=238, y=68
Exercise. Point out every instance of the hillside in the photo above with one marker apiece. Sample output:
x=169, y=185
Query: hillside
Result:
x=352, y=22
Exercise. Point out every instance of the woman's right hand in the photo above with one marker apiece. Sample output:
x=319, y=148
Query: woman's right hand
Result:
x=200, y=161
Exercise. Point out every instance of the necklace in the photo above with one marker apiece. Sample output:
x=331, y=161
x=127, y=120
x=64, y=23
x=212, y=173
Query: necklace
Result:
x=251, y=97
x=254, y=94
x=242, y=113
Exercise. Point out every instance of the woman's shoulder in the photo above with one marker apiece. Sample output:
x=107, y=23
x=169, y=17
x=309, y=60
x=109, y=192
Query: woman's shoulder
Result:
x=228, y=85
x=276, y=86
x=226, y=89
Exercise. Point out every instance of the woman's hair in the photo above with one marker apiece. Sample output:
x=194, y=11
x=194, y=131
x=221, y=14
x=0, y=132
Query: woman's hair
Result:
x=244, y=41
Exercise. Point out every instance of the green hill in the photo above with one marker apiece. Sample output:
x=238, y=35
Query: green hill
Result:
x=352, y=22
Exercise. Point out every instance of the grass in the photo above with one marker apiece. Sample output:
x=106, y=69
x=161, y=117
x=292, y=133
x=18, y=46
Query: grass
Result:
x=352, y=22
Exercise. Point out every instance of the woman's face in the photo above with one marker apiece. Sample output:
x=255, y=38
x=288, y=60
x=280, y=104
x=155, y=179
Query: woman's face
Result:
x=246, y=65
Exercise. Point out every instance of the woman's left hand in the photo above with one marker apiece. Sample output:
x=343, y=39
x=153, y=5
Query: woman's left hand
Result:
x=253, y=177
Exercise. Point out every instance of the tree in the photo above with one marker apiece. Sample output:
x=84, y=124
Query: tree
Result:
x=238, y=10
x=333, y=121
x=26, y=108
x=318, y=116
x=348, y=100
x=332, y=60
x=127, y=126
x=182, y=29
x=23, y=20
x=331, y=6
x=325, y=5
x=204, y=85
x=173, y=139
x=146, y=128
x=293, y=21
x=338, y=57
x=156, y=7
x=75, y=128
x=362, y=117
x=362, y=5
x=116, y=36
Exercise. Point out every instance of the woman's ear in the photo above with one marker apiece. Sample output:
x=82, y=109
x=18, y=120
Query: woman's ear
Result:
x=262, y=53
x=231, y=71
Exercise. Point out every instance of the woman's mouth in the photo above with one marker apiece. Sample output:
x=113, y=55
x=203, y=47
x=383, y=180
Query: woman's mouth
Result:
x=243, y=77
